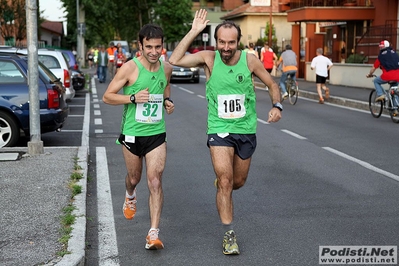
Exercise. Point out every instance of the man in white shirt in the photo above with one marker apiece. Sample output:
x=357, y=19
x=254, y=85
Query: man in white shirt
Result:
x=322, y=65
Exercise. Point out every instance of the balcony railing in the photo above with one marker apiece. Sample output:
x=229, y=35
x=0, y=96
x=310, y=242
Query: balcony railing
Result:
x=329, y=3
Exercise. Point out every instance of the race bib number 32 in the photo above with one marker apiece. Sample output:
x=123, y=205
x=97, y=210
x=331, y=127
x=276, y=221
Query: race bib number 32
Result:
x=231, y=106
x=151, y=111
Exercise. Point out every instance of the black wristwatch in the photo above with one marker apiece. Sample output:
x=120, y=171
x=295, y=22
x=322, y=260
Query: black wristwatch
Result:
x=167, y=98
x=133, y=98
x=278, y=106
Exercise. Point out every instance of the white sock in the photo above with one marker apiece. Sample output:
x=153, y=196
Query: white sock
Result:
x=156, y=229
x=132, y=196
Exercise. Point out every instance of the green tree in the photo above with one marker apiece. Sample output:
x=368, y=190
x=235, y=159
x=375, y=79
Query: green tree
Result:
x=174, y=17
x=109, y=20
x=266, y=38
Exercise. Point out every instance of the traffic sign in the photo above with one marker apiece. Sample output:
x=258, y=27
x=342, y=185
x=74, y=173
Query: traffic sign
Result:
x=205, y=37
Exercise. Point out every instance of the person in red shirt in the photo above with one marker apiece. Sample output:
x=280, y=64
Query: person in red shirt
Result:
x=120, y=59
x=268, y=57
x=164, y=55
x=388, y=61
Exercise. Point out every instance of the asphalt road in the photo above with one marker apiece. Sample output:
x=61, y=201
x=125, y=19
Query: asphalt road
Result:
x=323, y=175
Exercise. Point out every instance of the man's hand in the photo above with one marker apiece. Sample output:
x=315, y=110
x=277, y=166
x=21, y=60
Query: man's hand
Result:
x=169, y=107
x=274, y=115
x=142, y=96
x=200, y=21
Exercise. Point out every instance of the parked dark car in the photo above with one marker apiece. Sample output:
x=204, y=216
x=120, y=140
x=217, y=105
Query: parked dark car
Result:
x=14, y=99
x=184, y=73
x=71, y=59
x=78, y=80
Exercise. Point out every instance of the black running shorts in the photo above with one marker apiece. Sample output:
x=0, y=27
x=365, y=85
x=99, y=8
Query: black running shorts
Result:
x=143, y=145
x=320, y=79
x=244, y=144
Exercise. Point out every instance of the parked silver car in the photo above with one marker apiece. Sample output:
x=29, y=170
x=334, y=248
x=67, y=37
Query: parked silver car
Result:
x=53, y=60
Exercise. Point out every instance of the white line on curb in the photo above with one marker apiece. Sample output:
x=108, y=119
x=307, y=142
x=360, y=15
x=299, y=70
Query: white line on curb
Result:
x=107, y=244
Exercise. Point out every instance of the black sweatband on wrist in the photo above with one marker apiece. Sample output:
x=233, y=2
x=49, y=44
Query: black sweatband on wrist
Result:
x=167, y=99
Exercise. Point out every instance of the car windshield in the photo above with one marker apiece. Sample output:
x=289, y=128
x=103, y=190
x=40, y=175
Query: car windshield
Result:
x=49, y=61
x=66, y=56
x=45, y=72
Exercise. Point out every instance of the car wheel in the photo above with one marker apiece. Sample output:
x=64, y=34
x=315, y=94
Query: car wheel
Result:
x=196, y=80
x=9, y=130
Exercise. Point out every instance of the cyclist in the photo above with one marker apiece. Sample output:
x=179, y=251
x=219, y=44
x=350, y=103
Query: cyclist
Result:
x=288, y=59
x=388, y=61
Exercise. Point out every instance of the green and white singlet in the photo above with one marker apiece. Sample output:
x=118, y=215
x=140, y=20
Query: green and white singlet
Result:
x=145, y=119
x=231, y=98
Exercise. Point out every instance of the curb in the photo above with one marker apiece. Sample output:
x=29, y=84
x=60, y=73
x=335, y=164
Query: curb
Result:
x=333, y=99
x=76, y=244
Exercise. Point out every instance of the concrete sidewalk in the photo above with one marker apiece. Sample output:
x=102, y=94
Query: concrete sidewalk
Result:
x=35, y=189
x=341, y=95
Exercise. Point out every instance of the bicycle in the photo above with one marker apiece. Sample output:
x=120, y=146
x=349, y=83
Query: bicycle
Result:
x=292, y=89
x=390, y=103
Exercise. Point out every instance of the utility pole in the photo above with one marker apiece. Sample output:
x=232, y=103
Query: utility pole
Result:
x=81, y=28
x=271, y=25
x=35, y=145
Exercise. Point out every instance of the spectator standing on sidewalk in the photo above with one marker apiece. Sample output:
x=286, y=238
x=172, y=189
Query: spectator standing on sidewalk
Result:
x=146, y=89
x=388, y=61
x=322, y=65
x=102, y=64
x=232, y=117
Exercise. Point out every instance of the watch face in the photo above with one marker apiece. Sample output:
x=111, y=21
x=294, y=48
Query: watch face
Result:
x=132, y=98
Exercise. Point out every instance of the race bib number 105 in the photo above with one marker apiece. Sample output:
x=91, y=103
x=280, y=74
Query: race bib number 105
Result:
x=151, y=111
x=231, y=106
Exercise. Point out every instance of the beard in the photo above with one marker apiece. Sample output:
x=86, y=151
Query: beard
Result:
x=227, y=55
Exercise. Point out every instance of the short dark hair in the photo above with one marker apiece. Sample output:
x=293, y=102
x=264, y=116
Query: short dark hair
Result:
x=228, y=24
x=150, y=31
x=288, y=47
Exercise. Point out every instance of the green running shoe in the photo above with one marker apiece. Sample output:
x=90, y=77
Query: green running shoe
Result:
x=230, y=246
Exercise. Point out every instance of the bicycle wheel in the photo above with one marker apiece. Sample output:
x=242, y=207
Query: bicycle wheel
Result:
x=292, y=92
x=375, y=107
x=393, y=111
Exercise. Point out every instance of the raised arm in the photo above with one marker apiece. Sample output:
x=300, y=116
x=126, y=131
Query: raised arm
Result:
x=178, y=56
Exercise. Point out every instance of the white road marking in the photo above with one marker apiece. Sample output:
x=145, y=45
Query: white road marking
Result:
x=362, y=163
x=97, y=112
x=107, y=243
x=263, y=121
x=71, y=131
x=293, y=134
x=98, y=121
x=186, y=90
x=86, y=122
x=98, y=131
